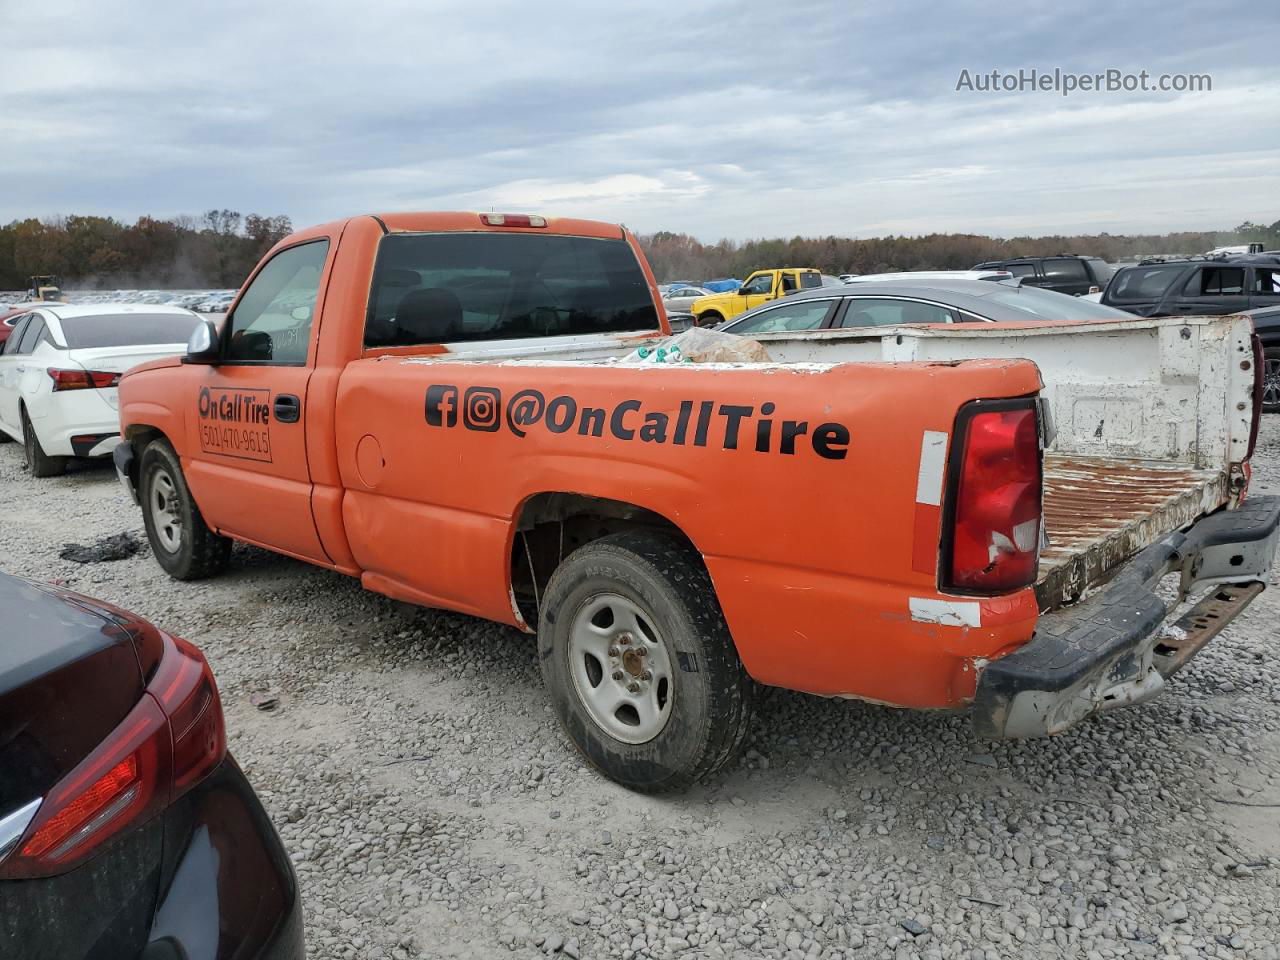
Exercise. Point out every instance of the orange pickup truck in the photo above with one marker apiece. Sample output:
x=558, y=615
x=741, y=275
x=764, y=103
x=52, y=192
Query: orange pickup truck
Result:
x=434, y=403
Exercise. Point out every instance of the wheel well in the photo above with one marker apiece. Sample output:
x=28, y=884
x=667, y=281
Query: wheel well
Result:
x=550, y=526
x=710, y=316
x=138, y=435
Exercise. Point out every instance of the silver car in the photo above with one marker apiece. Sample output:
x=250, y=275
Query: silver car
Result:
x=891, y=304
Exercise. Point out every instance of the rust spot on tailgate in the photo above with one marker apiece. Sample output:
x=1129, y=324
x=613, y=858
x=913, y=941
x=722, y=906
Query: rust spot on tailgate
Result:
x=1099, y=511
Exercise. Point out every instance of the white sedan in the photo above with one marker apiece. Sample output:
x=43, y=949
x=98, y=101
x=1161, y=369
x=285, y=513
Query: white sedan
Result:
x=59, y=370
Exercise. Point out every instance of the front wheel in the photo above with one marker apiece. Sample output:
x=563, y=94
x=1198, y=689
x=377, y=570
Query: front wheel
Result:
x=638, y=660
x=39, y=463
x=1271, y=380
x=709, y=319
x=180, y=540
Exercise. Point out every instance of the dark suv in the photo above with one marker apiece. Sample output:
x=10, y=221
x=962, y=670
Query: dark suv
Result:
x=1163, y=288
x=1065, y=273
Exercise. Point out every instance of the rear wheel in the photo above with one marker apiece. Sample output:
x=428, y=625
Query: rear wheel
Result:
x=1271, y=380
x=182, y=542
x=639, y=663
x=39, y=463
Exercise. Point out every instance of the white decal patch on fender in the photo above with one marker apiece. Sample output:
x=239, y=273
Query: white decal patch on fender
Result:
x=948, y=613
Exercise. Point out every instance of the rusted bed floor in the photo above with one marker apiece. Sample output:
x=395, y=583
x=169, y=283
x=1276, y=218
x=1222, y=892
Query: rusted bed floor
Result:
x=1100, y=511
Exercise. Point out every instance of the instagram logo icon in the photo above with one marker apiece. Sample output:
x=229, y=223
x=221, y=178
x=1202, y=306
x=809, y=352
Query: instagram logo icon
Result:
x=481, y=409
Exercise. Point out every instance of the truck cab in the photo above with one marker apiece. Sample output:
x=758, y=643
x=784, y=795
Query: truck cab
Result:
x=760, y=287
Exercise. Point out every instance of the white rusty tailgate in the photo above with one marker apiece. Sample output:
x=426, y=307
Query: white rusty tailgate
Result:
x=1099, y=511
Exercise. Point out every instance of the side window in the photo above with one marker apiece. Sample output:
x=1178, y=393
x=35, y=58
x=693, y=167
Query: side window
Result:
x=1064, y=268
x=788, y=282
x=272, y=322
x=809, y=280
x=796, y=315
x=881, y=313
x=31, y=335
x=1266, y=282
x=1215, y=282
x=1022, y=269
x=15, y=336
x=758, y=284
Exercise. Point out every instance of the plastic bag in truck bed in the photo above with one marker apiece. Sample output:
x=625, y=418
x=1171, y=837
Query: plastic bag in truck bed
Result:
x=702, y=345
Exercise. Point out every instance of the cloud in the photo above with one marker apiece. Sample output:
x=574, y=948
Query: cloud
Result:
x=716, y=117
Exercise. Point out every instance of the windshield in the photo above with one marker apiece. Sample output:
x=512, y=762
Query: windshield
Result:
x=127, y=329
x=1048, y=305
x=449, y=287
x=1143, y=283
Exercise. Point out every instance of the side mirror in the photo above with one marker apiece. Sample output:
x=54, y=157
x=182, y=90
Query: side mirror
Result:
x=202, y=347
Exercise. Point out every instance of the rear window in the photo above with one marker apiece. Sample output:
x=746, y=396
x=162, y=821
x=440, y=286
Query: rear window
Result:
x=451, y=287
x=1064, y=268
x=126, y=329
x=808, y=280
x=1102, y=270
x=1143, y=283
x=1047, y=305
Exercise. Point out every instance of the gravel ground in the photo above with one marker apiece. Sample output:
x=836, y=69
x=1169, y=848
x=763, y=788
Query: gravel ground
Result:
x=434, y=809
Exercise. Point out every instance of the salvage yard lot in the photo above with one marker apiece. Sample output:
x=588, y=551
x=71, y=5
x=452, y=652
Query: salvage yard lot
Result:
x=433, y=807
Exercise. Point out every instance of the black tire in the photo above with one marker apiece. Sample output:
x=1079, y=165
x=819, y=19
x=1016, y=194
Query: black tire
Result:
x=711, y=696
x=709, y=319
x=5, y=438
x=186, y=549
x=1271, y=380
x=39, y=464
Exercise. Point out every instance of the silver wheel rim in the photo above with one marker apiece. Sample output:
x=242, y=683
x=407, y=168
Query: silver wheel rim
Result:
x=165, y=517
x=621, y=668
x=1271, y=382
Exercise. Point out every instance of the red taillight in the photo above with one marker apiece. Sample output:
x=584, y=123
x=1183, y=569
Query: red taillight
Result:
x=512, y=220
x=82, y=379
x=171, y=740
x=993, y=541
x=185, y=688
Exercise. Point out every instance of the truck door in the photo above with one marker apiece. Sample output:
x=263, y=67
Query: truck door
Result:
x=757, y=290
x=247, y=413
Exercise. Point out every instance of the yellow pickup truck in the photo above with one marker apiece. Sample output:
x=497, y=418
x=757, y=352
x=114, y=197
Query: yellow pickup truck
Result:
x=761, y=287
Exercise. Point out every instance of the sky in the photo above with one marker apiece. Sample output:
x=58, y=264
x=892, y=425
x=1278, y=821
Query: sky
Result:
x=718, y=119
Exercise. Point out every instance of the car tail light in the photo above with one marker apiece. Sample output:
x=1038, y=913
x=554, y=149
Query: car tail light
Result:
x=512, y=220
x=170, y=741
x=993, y=527
x=82, y=379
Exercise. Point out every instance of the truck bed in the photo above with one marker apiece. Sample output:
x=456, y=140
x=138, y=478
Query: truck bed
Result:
x=1099, y=511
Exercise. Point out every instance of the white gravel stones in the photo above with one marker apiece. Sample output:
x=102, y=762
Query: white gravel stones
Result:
x=432, y=807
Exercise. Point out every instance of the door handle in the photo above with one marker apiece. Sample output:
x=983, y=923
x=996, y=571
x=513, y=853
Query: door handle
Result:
x=287, y=408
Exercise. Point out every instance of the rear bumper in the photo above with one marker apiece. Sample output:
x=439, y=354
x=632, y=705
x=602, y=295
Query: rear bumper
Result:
x=1110, y=650
x=228, y=887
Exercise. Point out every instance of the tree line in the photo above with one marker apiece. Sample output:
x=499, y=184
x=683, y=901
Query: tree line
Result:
x=217, y=249
x=220, y=247
x=678, y=256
